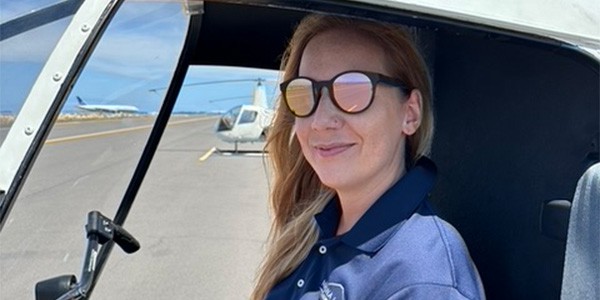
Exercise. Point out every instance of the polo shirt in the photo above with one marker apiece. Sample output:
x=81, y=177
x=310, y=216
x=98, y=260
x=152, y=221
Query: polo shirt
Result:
x=399, y=249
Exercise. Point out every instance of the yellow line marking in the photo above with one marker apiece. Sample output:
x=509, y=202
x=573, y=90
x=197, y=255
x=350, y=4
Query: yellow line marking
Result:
x=98, y=120
x=116, y=131
x=207, y=154
x=96, y=134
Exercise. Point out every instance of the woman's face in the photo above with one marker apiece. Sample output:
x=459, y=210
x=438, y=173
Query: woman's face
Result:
x=353, y=152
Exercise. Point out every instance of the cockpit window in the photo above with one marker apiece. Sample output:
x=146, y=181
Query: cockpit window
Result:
x=228, y=119
x=22, y=57
x=248, y=116
x=92, y=151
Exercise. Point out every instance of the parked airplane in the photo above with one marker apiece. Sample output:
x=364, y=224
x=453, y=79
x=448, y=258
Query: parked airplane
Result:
x=247, y=122
x=106, y=108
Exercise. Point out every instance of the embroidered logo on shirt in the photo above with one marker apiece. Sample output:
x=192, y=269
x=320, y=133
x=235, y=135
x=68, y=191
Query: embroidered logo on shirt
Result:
x=331, y=291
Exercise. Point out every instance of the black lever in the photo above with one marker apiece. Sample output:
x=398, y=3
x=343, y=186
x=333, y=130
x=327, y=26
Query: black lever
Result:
x=106, y=230
x=99, y=231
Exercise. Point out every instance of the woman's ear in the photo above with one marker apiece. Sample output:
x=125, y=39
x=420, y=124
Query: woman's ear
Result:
x=413, y=112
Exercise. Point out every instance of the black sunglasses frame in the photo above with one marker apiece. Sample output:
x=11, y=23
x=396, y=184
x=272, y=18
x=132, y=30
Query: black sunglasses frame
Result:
x=317, y=88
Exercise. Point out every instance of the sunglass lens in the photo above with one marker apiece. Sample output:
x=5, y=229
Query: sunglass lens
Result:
x=299, y=96
x=353, y=92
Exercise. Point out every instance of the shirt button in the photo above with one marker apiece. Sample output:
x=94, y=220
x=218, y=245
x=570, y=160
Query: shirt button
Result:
x=322, y=249
x=300, y=283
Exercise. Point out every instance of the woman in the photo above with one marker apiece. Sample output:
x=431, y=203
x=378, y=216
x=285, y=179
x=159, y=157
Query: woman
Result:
x=348, y=147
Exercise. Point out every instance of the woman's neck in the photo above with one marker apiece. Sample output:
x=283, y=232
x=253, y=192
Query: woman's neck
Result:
x=355, y=202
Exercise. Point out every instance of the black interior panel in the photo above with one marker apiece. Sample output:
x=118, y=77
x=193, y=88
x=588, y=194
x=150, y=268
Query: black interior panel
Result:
x=237, y=35
x=516, y=127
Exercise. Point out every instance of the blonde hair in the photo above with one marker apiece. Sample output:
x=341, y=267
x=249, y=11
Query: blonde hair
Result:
x=297, y=193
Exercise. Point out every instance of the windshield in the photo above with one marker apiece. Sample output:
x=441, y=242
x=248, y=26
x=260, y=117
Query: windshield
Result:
x=201, y=222
x=23, y=56
x=229, y=118
x=91, y=152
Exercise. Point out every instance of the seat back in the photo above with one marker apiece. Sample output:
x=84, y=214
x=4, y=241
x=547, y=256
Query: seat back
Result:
x=581, y=276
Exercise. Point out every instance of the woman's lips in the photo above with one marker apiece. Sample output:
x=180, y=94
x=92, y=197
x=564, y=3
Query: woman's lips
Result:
x=331, y=149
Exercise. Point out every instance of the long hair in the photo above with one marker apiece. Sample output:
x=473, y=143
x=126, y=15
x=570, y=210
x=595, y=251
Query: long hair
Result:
x=297, y=194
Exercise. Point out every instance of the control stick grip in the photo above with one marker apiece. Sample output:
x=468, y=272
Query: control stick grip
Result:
x=104, y=229
x=124, y=239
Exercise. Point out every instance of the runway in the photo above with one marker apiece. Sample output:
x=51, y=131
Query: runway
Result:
x=201, y=217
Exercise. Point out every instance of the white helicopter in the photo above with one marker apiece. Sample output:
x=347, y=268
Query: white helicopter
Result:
x=247, y=122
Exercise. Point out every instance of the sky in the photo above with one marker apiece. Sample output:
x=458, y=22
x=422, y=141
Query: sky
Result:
x=131, y=65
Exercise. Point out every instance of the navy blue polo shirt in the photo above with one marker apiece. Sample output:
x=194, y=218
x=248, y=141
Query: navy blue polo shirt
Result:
x=398, y=249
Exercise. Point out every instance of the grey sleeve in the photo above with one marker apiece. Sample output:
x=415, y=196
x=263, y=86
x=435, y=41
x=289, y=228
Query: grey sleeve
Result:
x=432, y=291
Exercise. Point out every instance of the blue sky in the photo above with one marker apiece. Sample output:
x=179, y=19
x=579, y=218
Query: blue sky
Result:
x=135, y=56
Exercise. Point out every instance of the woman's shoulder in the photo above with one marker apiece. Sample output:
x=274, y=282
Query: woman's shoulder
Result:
x=426, y=251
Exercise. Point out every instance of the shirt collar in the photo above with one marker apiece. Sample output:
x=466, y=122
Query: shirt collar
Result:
x=397, y=204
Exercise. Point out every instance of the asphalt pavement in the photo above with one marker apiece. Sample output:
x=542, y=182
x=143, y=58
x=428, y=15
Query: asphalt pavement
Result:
x=201, y=218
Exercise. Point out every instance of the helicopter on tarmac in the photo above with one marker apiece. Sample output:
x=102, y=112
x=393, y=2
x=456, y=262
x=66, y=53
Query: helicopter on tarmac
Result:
x=247, y=122
x=243, y=123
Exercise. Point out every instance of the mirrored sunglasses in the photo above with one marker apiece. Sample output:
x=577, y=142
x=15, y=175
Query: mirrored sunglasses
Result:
x=351, y=91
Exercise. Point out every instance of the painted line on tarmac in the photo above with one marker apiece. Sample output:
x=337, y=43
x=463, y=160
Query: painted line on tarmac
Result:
x=207, y=154
x=96, y=134
x=111, y=132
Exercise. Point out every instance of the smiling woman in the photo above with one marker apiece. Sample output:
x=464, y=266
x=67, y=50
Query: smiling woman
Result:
x=351, y=216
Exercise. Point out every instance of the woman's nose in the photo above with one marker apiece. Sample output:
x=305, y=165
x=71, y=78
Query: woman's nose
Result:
x=326, y=116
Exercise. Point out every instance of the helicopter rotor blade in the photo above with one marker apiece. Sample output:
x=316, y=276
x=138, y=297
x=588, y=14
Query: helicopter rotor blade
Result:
x=258, y=80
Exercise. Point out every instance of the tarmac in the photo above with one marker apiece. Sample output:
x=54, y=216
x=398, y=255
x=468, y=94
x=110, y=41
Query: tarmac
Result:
x=201, y=217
